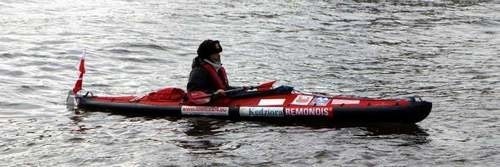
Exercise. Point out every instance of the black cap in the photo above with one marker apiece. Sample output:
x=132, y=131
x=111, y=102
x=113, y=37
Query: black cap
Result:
x=208, y=47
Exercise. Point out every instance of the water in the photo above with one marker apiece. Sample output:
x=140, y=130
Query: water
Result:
x=445, y=51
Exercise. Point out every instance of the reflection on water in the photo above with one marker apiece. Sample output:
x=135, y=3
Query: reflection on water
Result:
x=204, y=133
x=201, y=131
x=412, y=135
x=389, y=129
x=76, y=119
x=204, y=127
x=200, y=146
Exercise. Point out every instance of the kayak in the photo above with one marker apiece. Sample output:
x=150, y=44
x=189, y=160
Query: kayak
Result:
x=262, y=102
x=286, y=105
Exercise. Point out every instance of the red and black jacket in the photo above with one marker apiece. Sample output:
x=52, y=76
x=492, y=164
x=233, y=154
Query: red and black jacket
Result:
x=204, y=77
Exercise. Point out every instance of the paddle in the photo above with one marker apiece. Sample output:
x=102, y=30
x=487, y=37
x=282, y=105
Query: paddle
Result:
x=199, y=97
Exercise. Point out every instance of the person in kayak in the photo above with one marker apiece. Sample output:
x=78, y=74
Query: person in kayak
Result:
x=207, y=73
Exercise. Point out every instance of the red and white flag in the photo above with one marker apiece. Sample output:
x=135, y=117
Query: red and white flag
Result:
x=81, y=70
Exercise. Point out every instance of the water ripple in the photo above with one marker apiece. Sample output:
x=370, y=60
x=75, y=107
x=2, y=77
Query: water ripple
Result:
x=444, y=50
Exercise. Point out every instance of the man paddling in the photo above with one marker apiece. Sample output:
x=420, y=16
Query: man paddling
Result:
x=208, y=76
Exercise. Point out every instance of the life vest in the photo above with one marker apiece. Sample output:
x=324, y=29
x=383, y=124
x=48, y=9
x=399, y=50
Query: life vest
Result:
x=218, y=78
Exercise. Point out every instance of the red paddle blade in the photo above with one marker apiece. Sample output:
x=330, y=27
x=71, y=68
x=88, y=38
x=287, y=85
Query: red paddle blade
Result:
x=266, y=85
x=198, y=97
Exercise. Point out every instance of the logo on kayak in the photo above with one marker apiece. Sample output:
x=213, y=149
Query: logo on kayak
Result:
x=270, y=102
x=302, y=100
x=261, y=111
x=205, y=110
x=307, y=111
x=319, y=101
x=344, y=101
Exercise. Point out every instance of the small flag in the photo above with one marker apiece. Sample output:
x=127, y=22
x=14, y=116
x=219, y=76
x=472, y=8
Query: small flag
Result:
x=81, y=69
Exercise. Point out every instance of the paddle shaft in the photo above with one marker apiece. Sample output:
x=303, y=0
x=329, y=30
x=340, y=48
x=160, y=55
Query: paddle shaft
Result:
x=227, y=91
x=207, y=97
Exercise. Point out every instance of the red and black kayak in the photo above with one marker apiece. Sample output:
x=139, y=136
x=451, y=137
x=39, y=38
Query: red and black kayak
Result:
x=266, y=103
x=276, y=104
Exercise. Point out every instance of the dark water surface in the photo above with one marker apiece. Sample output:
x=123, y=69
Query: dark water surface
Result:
x=446, y=51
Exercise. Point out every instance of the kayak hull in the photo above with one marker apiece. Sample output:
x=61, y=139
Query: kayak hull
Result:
x=282, y=107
